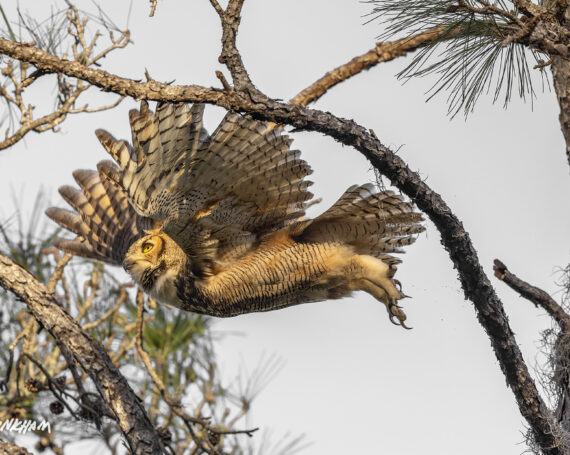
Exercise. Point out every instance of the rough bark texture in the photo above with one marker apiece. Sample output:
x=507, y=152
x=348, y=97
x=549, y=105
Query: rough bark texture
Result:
x=7, y=448
x=560, y=74
x=117, y=393
x=561, y=363
x=536, y=295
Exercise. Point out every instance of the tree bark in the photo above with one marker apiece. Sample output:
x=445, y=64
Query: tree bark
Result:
x=560, y=75
x=8, y=448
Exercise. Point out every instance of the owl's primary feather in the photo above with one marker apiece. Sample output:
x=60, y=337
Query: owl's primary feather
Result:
x=215, y=224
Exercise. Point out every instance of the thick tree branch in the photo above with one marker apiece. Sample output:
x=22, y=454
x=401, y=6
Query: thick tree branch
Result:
x=113, y=387
x=537, y=296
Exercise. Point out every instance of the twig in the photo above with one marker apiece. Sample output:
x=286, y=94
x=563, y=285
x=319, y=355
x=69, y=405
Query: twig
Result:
x=152, y=7
x=58, y=272
x=68, y=92
x=222, y=78
x=52, y=383
x=120, y=300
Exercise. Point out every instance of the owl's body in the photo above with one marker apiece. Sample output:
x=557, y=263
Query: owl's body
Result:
x=214, y=224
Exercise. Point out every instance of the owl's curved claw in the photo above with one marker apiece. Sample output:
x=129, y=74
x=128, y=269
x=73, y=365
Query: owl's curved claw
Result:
x=403, y=324
x=398, y=285
x=395, y=311
x=391, y=317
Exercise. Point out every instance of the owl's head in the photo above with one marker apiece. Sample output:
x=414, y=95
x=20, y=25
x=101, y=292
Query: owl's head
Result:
x=154, y=262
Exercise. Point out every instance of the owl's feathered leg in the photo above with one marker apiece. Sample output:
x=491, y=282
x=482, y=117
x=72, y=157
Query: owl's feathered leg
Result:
x=375, y=278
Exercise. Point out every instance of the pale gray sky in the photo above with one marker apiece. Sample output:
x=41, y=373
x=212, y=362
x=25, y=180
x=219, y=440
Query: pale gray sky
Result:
x=353, y=382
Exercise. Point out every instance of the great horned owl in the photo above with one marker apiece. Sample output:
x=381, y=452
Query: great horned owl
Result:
x=215, y=224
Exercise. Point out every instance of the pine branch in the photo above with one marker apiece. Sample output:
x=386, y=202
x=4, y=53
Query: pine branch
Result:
x=487, y=49
x=382, y=52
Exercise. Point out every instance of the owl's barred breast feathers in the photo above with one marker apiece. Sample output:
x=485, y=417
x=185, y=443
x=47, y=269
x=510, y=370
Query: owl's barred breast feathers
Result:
x=215, y=224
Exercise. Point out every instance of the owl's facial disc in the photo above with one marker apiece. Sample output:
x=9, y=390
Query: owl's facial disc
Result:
x=153, y=265
x=144, y=260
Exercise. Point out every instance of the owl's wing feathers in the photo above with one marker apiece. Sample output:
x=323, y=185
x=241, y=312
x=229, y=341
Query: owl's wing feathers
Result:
x=215, y=195
x=374, y=223
x=104, y=220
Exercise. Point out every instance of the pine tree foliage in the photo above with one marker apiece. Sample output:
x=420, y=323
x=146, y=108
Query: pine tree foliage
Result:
x=473, y=54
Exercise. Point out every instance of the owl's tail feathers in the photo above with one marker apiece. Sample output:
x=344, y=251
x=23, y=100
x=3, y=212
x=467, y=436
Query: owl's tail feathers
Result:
x=103, y=220
x=373, y=223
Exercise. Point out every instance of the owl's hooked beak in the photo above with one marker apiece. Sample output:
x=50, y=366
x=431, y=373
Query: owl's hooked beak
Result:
x=128, y=264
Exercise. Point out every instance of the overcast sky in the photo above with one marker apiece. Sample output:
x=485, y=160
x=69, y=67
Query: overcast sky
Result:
x=353, y=382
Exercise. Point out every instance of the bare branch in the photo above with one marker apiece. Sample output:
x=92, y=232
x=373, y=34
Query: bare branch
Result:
x=58, y=273
x=152, y=90
x=383, y=52
x=230, y=56
x=68, y=92
x=537, y=296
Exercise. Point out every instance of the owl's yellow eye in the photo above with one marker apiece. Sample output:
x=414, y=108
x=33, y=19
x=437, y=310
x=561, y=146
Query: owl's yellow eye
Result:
x=147, y=246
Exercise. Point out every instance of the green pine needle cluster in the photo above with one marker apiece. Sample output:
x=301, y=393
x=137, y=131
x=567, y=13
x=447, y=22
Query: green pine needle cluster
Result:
x=470, y=58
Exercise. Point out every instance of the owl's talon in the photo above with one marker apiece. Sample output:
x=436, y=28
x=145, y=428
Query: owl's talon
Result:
x=391, y=317
x=403, y=324
x=396, y=312
x=398, y=285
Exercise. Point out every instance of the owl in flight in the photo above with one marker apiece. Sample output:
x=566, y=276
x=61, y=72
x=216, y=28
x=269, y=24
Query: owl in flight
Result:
x=215, y=224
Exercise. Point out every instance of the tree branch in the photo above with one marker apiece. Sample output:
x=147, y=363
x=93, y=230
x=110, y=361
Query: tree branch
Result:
x=151, y=90
x=8, y=448
x=230, y=56
x=382, y=52
x=112, y=386
x=537, y=296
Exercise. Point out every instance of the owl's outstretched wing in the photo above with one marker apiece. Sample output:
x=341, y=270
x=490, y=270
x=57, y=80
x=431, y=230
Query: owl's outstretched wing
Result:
x=373, y=223
x=215, y=196
x=105, y=221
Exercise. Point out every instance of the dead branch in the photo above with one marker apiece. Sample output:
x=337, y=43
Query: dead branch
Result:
x=68, y=92
x=537, y=296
